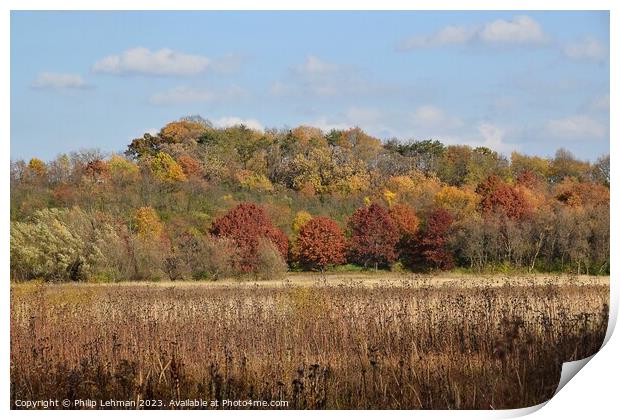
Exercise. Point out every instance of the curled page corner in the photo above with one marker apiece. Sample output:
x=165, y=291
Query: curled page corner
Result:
x=569, y=370
x=611, y=319
x=519, y=412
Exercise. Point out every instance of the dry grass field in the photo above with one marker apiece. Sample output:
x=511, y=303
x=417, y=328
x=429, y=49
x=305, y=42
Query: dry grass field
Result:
x=341, y=342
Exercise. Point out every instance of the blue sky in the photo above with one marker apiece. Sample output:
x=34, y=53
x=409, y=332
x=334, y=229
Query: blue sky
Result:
x=526, y=81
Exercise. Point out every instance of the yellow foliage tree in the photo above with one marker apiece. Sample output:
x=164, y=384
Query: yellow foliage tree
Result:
x=254, y=182
x=122, y=169
x=416, y=189
x=401, y=184
x=301, y=218
x=166, y=169
x=37, y=167
x=179, y=131
x=520, y=163
x=309, y=136
x=148, y=224
x=390, y=197
x=460, y=202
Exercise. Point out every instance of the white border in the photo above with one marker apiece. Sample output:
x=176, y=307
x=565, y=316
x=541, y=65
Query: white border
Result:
x=592, y=394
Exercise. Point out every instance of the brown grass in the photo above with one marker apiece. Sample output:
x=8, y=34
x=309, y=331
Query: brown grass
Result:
x=411, y=344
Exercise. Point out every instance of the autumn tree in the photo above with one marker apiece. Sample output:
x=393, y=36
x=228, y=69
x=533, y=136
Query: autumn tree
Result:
x=245, y=225
x=190, y=166
x=148, y=224
x=320, y=243
x=374, y=236
x=415, y=189
x=566, y=165
x=426, y=154
x=146, y=145
x=407, y=223
x=538, y=166
x=405, y=219
x=122, y=171
x=166, y=169
x=301, y=218
x=601, y=170
x=175, y=132
x=454, y=164
x=97, y=170
x=361, y=145
x=433, y=246
x=252, y=181
x=460, y=202
x=500, y=197
x=180, y=131
x=529, y=179
x=581, y=194
x=483, y=163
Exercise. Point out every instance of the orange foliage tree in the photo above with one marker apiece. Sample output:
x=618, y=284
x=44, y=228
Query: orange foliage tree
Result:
x=321, y=243
x=499, y=197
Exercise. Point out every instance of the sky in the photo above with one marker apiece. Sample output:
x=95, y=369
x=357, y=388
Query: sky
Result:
x=530, y=82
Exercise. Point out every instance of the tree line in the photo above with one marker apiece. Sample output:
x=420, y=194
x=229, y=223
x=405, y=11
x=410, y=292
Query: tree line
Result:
x=200, y=202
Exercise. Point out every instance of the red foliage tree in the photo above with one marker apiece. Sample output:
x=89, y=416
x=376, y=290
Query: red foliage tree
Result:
x=245, y=225
x=321, y=243
x=432, y=245
x=499, y=197
x=374, y=236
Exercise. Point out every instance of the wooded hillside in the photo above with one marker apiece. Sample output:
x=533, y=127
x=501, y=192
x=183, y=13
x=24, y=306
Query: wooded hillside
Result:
x=199, y=202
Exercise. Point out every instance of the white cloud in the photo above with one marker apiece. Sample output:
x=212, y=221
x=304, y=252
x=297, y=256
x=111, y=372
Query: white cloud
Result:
x=369, y=119
x=315, y=66
x=588, y=48
x=312, y=77
x=450, y=35
x=59, y=81
x=319, y=78
x=484, y=134
x=521, y=30
x=191, y=95
x=493, y=138
x=432, y=116
x=163, y=62
x=576, y=127
x=424, y=122
x=235, y=121
x=327, y=124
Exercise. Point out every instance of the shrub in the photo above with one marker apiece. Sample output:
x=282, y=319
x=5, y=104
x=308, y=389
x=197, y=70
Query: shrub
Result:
x=271, y=264
x=60, y=244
